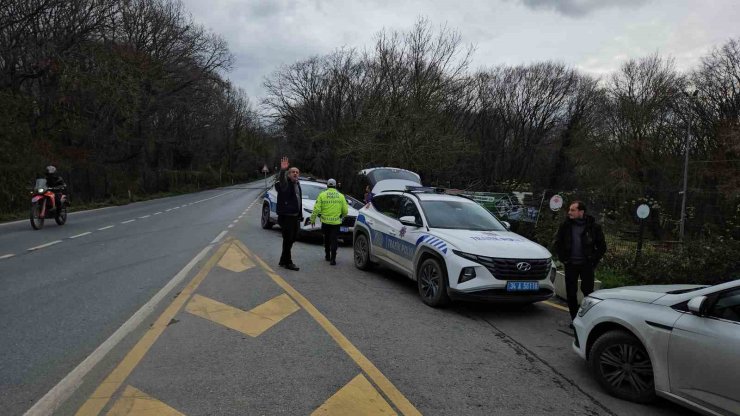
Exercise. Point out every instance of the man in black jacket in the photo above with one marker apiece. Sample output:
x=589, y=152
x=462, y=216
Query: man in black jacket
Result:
x=55, y=181
x=579, y=245
x=289, y=209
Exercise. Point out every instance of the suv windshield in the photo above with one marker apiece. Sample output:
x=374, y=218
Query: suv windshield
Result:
x=311, y=191
x=460, y=214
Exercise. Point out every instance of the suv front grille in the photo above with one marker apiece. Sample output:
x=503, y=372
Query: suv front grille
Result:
x=506, y=269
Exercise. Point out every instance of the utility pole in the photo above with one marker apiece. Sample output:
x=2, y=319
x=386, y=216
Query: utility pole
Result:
x=682, y=225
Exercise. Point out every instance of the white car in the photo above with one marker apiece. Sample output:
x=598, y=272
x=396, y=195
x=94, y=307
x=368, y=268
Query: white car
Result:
x=681, y=342
x=452, y=246
x=311, y=188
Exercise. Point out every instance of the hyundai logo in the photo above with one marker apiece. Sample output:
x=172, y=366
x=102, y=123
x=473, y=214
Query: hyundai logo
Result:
x=523, y=266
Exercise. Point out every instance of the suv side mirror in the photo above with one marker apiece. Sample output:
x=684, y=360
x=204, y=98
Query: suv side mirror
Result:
x=506, y=224
x=410, y=221
x=698, y=305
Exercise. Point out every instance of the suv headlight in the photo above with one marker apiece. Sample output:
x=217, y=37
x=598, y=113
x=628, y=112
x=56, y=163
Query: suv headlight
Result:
x=588, y=303
x=471, y=257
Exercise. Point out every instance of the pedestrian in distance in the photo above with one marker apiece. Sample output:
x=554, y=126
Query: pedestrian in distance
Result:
x=579, y=245
x=331, y=206
x=289, y=209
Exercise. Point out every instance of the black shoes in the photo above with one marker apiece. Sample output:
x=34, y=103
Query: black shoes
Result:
x=326, y=257
x=333, y=262
x=289, y=266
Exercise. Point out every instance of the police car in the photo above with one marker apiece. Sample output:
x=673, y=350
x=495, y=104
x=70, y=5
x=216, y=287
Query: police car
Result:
x=311, y=188
x=452, y=246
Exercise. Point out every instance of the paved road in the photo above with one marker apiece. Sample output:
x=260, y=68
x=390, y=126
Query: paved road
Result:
x=235, y=334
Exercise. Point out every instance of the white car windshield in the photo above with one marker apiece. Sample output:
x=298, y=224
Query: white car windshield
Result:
x=311, y=191
x=460, y=215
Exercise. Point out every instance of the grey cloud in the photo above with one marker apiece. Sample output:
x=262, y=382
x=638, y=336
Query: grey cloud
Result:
x=579, y=8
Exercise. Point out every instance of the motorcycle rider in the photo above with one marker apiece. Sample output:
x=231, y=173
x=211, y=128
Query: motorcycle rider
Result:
x=55, y=183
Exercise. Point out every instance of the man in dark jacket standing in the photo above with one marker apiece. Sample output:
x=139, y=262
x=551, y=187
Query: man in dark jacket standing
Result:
x=289, y=209
x=579, y=245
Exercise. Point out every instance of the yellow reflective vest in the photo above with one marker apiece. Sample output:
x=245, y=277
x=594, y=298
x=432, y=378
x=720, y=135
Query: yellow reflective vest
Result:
x=331, y=206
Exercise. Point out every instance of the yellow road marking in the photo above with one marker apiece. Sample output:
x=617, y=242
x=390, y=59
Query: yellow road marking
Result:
x=102, y=395
x=235, y=260
x=135, y=402
x=556, y=306
x=380, y=380
x=253, y=322
x=357, y=398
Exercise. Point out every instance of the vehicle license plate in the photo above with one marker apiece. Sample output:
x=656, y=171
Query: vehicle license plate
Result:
x=522, y=286
x=343, y=229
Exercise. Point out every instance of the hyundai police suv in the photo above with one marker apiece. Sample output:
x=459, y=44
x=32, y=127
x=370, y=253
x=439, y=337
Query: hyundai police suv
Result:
x=452, y=246
x=310, y=188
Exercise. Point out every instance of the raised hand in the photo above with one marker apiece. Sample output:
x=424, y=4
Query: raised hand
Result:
x=284, y=163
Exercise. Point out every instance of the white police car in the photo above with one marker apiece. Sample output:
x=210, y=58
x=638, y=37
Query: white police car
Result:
x=452, y=246
x=311, y=188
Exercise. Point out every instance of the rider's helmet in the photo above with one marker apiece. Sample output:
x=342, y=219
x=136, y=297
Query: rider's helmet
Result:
x=50, y=170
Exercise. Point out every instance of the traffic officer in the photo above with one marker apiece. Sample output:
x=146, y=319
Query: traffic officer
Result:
x=331, y=206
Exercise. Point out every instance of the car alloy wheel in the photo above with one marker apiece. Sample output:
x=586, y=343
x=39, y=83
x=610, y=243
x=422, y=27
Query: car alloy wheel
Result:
x=432, y=285
x=265, y=220
x=623, y=367
x=362, y=252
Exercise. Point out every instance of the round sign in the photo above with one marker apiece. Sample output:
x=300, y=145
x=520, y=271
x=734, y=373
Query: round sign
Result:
x=643, y=211
x=556, y=202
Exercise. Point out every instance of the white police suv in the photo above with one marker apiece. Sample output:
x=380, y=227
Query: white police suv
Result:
x=452, y=246
x=311, y=188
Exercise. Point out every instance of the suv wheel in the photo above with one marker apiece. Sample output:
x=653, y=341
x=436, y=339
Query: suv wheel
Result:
x=362, y=252
x=431, y=278
x=265, y=220
x=622, y=366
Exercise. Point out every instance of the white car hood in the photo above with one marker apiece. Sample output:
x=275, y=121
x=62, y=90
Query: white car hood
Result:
x=647, y=293
x=500, y=244
x=393, y=185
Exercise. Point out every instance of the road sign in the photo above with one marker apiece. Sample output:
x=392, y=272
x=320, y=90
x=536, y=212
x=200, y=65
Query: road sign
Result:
x=643, y=211
x=556, y=202
x=264, y=169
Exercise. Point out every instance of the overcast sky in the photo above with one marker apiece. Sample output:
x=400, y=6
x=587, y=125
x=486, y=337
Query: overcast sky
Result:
x=596, y=36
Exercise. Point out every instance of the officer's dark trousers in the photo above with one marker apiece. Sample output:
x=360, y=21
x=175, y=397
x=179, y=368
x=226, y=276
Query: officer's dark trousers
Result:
x=289, y=225
x=331, y=233
x=572, y=273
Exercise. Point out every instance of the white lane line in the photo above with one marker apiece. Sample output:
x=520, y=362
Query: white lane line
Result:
x=69, y=384
x=44, y=245
x=157, y=213
x=183, y=206
x=80, y=235
x=230, y=226
x=126, y=222
x=219, y=237
x=6, y=256
x=235, y=221
x=168, y=210
x=240, y=217
x=176, y=208
x=105, y=228
x=145, y=216
x=208, y=199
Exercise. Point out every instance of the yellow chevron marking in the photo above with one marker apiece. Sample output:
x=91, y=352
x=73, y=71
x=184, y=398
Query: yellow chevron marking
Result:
x=235, y=260
x=357, y=398
x=253, y=322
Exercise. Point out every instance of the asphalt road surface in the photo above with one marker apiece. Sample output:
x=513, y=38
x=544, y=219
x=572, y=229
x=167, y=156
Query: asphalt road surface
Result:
x=177, y=306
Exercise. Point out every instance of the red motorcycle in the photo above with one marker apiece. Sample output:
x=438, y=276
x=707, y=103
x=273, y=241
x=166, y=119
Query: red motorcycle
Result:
x=44, y=204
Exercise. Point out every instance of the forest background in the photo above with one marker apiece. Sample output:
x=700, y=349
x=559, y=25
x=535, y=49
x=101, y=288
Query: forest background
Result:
x=130, y=100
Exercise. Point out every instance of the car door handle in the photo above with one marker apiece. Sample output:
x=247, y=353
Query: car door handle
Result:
x=369, y=222
x=393, y=232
